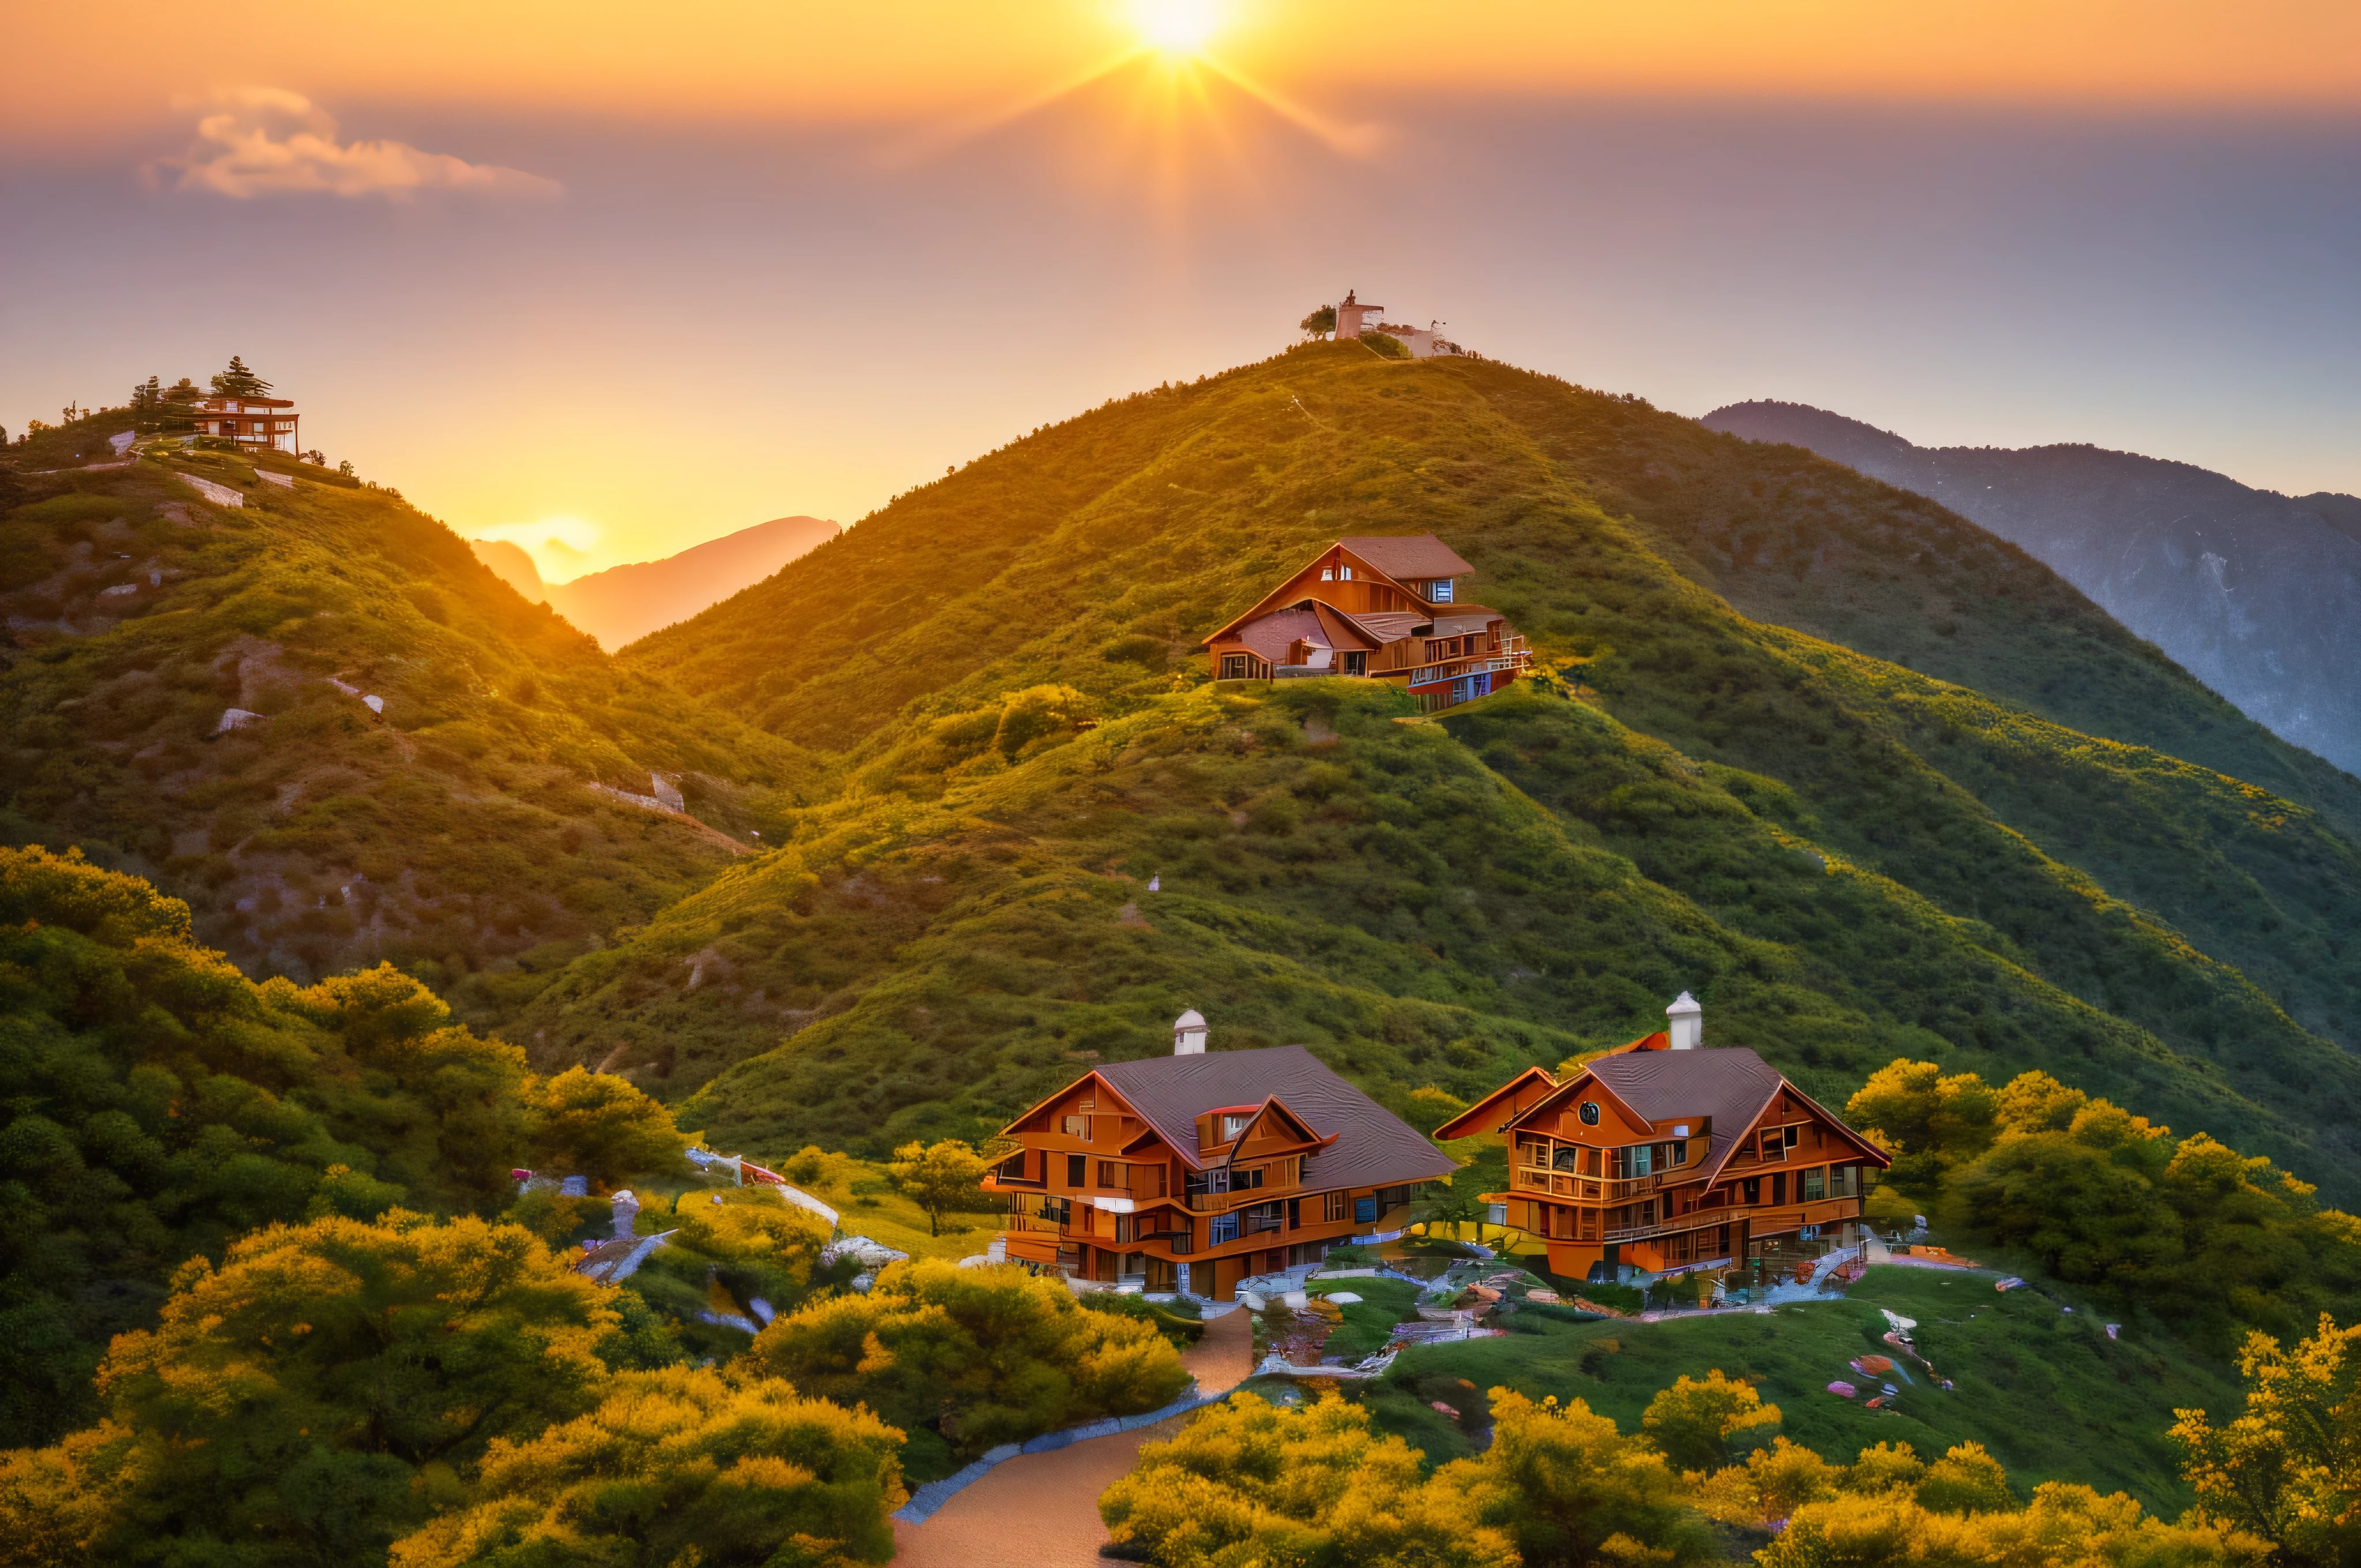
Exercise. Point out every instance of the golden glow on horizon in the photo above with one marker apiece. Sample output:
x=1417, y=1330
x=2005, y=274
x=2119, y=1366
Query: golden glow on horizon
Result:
x=923, y=59
x=1176, y=26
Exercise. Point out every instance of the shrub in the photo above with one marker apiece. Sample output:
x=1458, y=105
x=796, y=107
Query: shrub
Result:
x=982, y=1355
x=681, y=1466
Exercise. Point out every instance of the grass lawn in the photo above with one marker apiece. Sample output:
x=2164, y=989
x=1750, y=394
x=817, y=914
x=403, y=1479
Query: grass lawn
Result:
x=2045, y=1391
x=1369, y=1322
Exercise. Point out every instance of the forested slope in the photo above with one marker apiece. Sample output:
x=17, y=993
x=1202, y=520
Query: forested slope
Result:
x=183, y=692
x=2042, y=897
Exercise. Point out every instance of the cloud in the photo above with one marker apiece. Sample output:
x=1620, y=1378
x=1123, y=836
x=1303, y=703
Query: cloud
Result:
x=267, y=141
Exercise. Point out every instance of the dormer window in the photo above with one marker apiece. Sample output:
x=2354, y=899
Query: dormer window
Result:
x=1439, y=591
x=1327, y=574
x=1235, y=1123
x=1344, y=574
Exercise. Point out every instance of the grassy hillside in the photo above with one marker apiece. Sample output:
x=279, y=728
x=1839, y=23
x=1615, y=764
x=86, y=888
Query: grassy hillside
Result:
x=457, y=833
x=2015, y=891
x=1420, y=903
x=2045, y=1391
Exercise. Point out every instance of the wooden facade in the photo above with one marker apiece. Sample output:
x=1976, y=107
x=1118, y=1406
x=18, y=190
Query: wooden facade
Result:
x=1389, y=608
x=1662, y=1159
x=1194, y=1171
x=269, y=422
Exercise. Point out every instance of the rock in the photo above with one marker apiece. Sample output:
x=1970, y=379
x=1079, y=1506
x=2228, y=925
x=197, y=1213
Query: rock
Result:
x=236, y=718
x=575, y=1187
x=374, y=704
x=667, y=793
x=1250, y=1302
x=1295, y=1299
x=872, y=1256
x=1343, y=1298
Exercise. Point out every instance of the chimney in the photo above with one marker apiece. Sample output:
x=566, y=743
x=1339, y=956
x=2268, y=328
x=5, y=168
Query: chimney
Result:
x=1189, y=1034
x=1687, y=1023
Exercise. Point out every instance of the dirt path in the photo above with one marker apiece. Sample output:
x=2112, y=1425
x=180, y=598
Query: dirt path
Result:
x=1041, y=1510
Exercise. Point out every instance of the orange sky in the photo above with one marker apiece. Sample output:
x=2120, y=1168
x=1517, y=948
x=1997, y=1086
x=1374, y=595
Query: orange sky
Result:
x=704, y=59
x=611, y=278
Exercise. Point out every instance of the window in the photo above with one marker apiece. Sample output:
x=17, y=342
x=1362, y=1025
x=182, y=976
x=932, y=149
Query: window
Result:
x=1439, y=592
x=1590, y=1113
x=1012, y=1168
x=1344, y=574
x=1076, y=1127
x=1115, y=1175
x=1357, y=664
x=1815, y=1184
x=1680, y=1153
x=1235, y=667
x=1235, y=1123
x=1222, y=1228
x=1564, y=1158
x=1076, y=1170
x=1327, y=574
x=1750, y=1190
x=1331, y=1207
x=1364, y=1211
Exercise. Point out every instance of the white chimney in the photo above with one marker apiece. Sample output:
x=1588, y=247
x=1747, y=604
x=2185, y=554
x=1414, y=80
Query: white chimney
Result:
x=1189, y=1034
x=1686, y=1022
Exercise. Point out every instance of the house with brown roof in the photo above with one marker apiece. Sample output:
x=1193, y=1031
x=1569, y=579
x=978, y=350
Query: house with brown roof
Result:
x=1665, y=1155
x=1194, y=1171
x=1381, y=607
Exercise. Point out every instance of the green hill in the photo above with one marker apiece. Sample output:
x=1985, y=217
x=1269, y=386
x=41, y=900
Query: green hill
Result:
x=457, y=833
x=1847, y=858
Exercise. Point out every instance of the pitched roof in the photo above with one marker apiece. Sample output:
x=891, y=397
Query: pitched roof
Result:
x=1390, y=625
x=1272, y=635
x=1409, y=557
x=1374, y=1148
x=1728, y=1083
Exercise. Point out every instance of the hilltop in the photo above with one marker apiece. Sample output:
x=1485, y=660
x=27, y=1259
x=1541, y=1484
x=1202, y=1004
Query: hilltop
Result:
x=2249, y=590
x=319, y=719
x=1868, y=779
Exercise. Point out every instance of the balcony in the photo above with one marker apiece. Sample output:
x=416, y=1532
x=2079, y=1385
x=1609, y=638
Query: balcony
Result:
x=1701, y=1219
x=1556, y=1183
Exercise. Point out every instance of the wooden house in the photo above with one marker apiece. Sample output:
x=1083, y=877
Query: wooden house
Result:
x=1392, y=607
x=267, y=422
x=1194, y=1171
x=1665, y=1155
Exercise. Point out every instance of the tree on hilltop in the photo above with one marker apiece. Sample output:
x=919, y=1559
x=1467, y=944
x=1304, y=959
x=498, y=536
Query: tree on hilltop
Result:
x=1320, y=321
x=237, y=381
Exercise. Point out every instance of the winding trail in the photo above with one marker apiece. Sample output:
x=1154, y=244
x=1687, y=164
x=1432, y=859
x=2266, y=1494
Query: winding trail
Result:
x=1041, y=1510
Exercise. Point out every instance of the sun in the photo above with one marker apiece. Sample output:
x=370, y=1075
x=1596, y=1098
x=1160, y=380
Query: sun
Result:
x=1176, y=27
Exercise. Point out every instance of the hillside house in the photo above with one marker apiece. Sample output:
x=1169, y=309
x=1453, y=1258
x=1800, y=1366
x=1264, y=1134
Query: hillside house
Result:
x=250, y=421
x=1194, y=1171
x=1392, y=607
x=1666, y=1155
x=1353, y=318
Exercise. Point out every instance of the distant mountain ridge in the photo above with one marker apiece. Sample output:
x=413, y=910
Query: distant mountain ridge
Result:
x=2256, y=593
x=625, y=603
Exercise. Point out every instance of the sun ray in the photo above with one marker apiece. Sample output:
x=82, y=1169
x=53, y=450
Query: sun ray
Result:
x=1350, y=141
x=923, y=144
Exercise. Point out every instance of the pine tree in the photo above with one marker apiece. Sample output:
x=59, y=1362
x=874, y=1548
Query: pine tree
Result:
x=237, y=381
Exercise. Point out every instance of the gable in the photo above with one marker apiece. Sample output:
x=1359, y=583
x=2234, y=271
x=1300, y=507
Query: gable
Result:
x=1343, y=580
